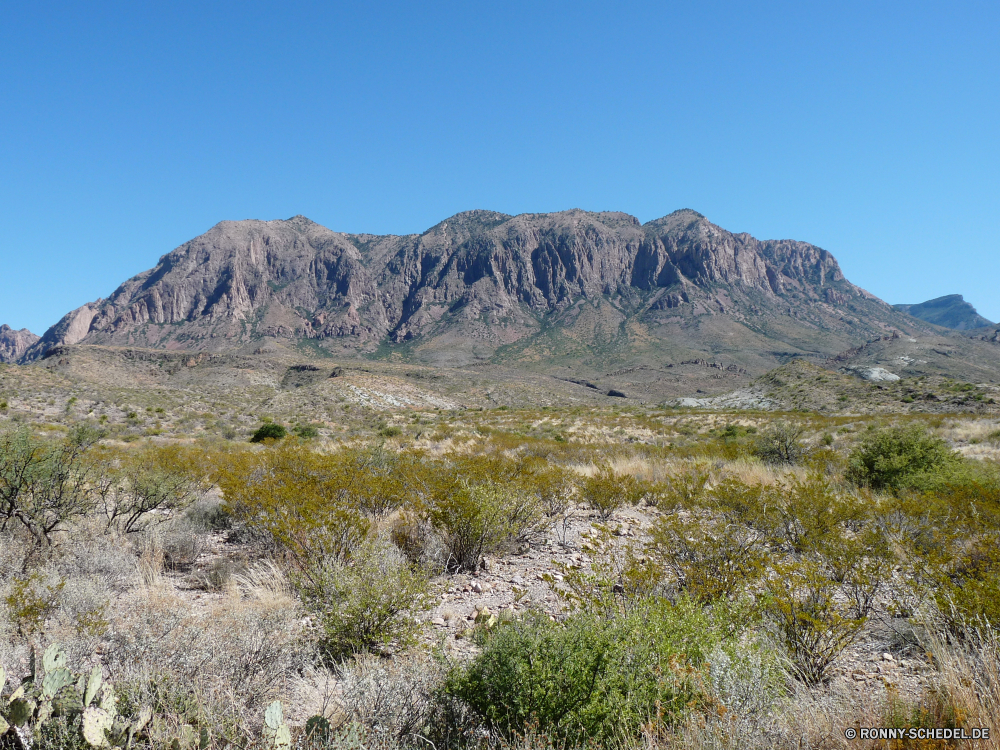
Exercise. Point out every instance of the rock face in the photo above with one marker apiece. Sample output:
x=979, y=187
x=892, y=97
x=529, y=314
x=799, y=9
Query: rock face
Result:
x=13, y=344
x=484, y=285
x=950, y=311
x=876, y=374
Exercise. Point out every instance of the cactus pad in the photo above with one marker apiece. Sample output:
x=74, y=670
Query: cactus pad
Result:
x=93, y=685
x=109, y=701
x=20, y=711
x=274, y=717
x=53, y=658
x=96, y=723
x=55, y=680
x=67, y=702
x=145, y=714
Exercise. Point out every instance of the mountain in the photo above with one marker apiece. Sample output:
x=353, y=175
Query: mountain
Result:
x=950, y=311
x=13, y=344
x=574, y=291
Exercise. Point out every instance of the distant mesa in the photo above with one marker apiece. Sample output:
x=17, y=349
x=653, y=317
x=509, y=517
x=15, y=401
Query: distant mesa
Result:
x=950, y=311
x=13, y=344
x=599, y=289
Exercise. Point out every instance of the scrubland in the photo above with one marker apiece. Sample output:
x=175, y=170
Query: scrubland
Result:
x=628, y=576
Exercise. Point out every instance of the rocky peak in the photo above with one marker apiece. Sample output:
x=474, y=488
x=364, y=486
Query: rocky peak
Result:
x=13, y=344
x=477, y=276
x=950, y=311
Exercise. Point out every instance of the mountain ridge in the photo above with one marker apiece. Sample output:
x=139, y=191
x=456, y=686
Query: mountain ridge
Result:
x=950, y=311
x=13, y=344
x=572, y=289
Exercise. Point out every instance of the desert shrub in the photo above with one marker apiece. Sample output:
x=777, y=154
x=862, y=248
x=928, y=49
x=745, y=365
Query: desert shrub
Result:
x=364, y=604
x=684, y=488
x=476, y=519
x=553, y=487
x=146, y=486
x=358, y=588
x=99, y=558
x=382, y=480
x=31, y=599
x=298, y=499
x=268, y=431
x=306, y=431
x=779, y=443
x=208, y=514
x=893, y=458
x=708, y=559
x=750, y=504
x=968, y=587
x=814, y=624
x=394, y=698
x=416, y=538
x=590, y=678
x=44, y=485
x=212, y=669
x=606, y=491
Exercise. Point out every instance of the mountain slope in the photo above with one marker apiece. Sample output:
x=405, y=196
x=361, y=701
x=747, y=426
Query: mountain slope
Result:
x=13, y=344
x=574, y=290
x=950, y=311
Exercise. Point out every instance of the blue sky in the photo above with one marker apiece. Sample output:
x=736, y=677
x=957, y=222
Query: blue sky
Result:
x=870, y=129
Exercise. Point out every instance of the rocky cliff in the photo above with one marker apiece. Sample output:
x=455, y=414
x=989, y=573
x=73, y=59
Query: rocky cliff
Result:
x=13, y=344
x=487, y=286
x=950, y=311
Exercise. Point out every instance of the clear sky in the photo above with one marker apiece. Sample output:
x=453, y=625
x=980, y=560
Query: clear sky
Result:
x=868, y=128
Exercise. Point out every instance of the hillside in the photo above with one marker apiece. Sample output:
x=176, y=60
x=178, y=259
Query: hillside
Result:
x=572, y=293
x=13, y=344
x=950, y=311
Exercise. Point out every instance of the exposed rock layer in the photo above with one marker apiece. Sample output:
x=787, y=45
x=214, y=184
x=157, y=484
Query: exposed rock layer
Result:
x=950, y=311
x=484, y=285
x=13, y=344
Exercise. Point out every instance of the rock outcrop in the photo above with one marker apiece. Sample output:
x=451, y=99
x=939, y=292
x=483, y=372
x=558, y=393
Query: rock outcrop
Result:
x=950, y=311
x=476, y=283
x=13, y=344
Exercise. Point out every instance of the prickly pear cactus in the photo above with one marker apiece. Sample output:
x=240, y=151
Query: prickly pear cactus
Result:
x=318, y=728
x=276, y=733
x=67, y=702
x=93, y=685
x=20, y=711
x=55, y=681
x=54, y=658
x=96, y=724
x=53, y=691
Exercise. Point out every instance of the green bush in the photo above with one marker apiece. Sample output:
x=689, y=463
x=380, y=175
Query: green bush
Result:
x=814, y=623
x=306, y=431
x=779, y=443
x=606, y=491
x=590, y=678
x=269, y=431
x=366, y=603
x=895, y=458
x=475, y=519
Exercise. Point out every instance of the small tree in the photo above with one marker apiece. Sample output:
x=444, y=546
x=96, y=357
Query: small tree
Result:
x=478, y=518
x=44, y=485
x=780, y=443
x=269, y=431
x=894, y=457
x=814, y=625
